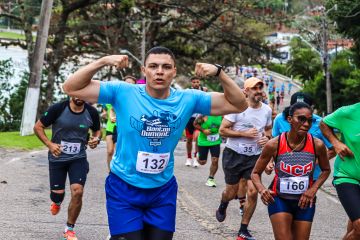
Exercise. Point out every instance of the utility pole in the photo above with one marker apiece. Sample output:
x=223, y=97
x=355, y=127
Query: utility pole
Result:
x=329, y=103
x=33, y=92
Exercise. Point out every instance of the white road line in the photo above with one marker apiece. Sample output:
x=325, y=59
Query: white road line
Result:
x=12, y=160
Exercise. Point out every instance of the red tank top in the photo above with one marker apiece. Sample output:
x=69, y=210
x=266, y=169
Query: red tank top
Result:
x=293, y=169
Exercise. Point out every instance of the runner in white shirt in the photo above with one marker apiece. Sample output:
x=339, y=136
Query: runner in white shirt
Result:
x=247, y=133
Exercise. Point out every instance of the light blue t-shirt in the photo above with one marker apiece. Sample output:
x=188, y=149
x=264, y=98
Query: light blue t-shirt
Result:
x=149, y=127
x=282, y=125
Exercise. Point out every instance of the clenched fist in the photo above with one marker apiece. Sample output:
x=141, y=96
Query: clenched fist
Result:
x=118, y=61
x=205, y=69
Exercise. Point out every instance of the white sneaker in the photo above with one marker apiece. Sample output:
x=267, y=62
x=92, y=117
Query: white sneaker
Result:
x=195, y=163
x=188, y=162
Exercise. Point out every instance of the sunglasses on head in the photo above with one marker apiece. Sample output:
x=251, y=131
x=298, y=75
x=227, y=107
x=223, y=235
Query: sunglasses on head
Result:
x=303, y=119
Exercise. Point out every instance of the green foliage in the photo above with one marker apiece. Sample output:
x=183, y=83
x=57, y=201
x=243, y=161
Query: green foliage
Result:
x=345, y=83
x=6, y=71
x=14, y=140
x=304, y=61
x=347, y=19
x=276, y=67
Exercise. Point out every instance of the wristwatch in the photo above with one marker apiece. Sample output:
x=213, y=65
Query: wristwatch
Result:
x=219, y=67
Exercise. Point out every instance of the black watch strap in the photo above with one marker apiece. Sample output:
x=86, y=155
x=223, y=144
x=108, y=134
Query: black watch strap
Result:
x=219, y=67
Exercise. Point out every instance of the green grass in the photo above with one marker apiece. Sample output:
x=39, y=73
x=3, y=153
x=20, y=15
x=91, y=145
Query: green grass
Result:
x=12, y=35
x=14, y=140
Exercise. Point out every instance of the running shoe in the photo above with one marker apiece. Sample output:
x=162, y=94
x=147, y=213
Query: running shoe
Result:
x=220, y=214
x=210, y=182
x=188, y=162
x=54, y=208
x=69, y=235
x=195, y=163
x=245, y=235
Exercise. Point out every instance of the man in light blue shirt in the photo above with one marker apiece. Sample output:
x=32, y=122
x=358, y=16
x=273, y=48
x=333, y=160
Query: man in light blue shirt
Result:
x=282, y=125
x=141, y=188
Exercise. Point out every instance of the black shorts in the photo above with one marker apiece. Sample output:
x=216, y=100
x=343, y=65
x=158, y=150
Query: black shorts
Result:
x=349, y=196
x=190, y=127
x=204, y=151
x=77, y=170
x=237, y=166
x=108, y=133
x=114, y=135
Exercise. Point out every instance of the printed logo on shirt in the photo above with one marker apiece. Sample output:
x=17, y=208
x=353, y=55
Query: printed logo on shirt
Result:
x=296, y=170
x=82, y=126
x=156, y=127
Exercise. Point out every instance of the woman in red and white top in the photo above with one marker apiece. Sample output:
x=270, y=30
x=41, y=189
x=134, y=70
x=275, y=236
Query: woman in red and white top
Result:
x=291, y=196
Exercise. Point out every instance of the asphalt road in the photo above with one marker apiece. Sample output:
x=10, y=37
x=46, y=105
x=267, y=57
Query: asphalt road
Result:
x=24, y=203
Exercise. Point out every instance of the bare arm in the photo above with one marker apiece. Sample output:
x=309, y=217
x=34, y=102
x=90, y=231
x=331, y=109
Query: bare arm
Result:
x=39, y=130
x=226, y=130
x=81, y=85
x=266, y=155
x=340, y=148
x=307, y=198
x=232, y=100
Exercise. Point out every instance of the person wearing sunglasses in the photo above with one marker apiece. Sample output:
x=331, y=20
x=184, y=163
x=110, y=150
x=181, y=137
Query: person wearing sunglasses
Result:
x=347, y=163
x=281, y=125
x=291, y=197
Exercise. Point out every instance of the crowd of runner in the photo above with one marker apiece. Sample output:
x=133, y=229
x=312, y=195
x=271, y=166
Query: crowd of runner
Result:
x=141, y=190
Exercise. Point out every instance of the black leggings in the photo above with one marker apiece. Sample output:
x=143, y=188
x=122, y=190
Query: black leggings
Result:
x=148, y=233
x=349, y=196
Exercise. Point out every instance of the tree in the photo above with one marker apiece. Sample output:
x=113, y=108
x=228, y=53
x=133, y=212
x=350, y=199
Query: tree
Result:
x=6, y=71
x=347, y=18
x=304, y=61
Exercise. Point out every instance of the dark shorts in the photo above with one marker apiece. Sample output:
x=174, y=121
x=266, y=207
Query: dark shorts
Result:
x=108, y=133
x=291, y=206
x=349, y=196
x=114, y=135
x=204, y=151
x=189, y=129
x=237, y=166
x=130, y=207
x=77, y=170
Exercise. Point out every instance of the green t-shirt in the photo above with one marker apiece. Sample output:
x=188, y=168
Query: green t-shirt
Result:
x=109, y=125
x=213, y=123
x=347, y=120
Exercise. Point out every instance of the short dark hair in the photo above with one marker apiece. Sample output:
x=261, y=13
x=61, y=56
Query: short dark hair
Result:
x=159, y=50
x=131, y=77
x=298, y=105
x=194, y=77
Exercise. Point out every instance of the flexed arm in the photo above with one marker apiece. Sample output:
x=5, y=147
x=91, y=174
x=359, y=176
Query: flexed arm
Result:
x=81, y=85
x=232, y=100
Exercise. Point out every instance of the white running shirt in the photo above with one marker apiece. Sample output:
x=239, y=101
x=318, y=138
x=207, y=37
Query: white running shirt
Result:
x=250, y=118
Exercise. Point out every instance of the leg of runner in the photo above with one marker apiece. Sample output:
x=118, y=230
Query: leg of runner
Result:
x=281, y=225
x=75, y=204
x=241, y=194
x=153, y=233
x=227, y=195
x=215, y=154
x=57, y=175
x=301, y=230
x=137, y=235
x=354, y=232
x=195, y=139
x=189, y=142
x=249, y=210
x=109, y=149
x=349, y=196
